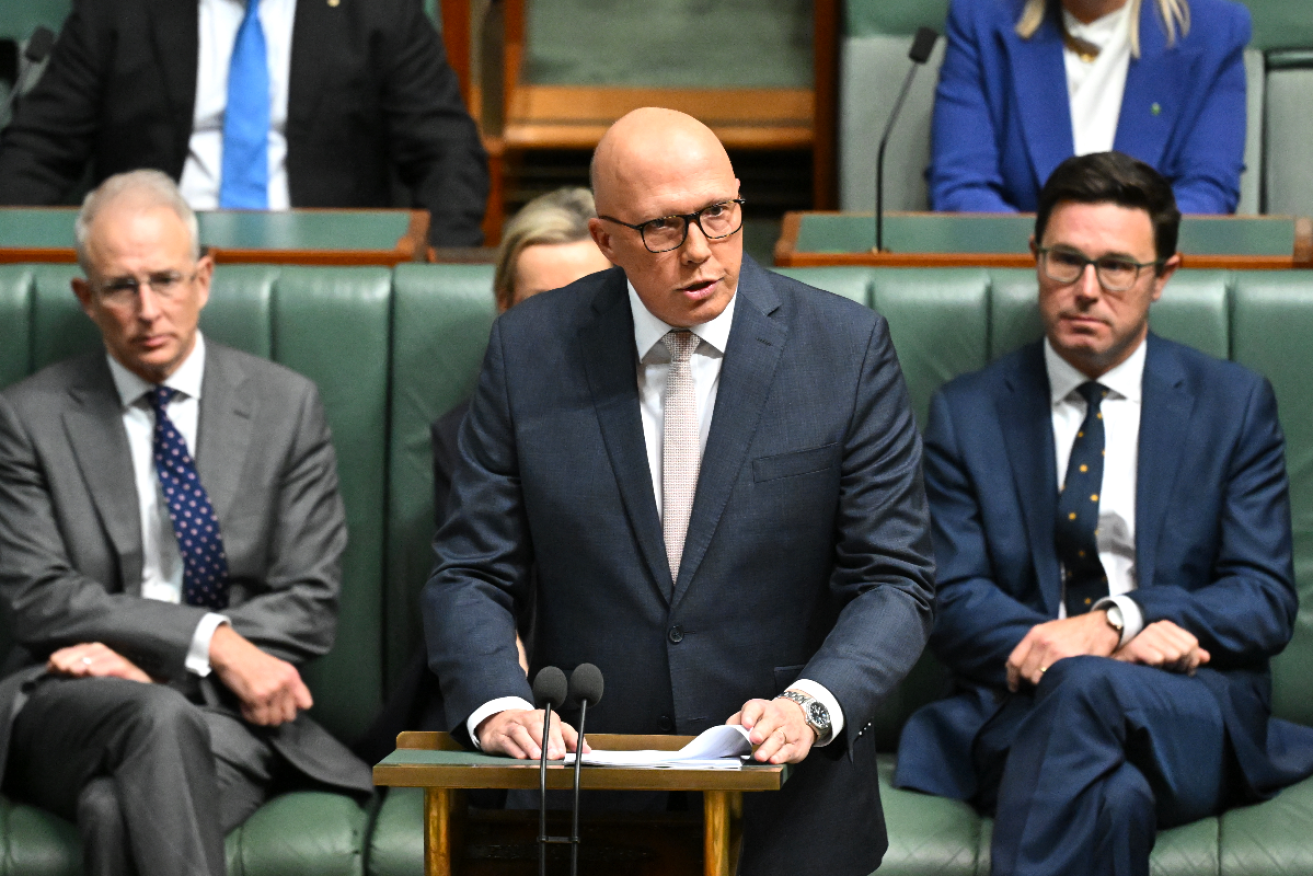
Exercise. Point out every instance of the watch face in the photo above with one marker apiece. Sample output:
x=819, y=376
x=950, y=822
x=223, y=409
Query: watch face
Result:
x=818, y=716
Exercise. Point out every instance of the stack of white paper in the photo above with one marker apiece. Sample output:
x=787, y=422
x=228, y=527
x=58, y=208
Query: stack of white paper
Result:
x=720, y=748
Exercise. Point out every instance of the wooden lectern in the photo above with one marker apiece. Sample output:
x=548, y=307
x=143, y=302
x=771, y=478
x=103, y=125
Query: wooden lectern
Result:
x=436, y=763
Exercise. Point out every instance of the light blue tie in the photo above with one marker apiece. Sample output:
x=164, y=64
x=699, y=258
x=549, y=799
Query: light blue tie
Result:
x=245, y=181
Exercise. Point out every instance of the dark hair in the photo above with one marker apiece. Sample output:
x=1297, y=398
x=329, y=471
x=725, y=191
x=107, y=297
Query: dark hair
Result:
x=1113, y=178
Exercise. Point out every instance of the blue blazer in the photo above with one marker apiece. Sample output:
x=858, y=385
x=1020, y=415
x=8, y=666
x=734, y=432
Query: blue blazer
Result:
x=1213, y=547
x=808, y=551
x=1002, y=118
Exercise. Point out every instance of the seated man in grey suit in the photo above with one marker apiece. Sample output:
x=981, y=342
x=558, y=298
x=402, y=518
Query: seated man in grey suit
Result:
x=170, y=534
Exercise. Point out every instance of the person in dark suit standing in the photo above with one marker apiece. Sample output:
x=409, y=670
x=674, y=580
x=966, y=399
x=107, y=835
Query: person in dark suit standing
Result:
x=1112, y=525
x=170, y=538
x=254, y=104
x=716, y=474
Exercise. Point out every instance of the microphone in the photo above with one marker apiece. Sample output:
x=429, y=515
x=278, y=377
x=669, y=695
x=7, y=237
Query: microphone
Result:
x=38, y=49
x=922, y=45
x=585, y=690
x=549, y=691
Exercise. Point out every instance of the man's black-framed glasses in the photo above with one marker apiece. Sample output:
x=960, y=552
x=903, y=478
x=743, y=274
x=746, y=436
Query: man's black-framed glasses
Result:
x=123, y=291
x=1115, y=273
x=717, y=221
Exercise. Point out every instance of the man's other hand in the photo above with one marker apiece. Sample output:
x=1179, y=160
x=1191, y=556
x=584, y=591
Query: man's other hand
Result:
x=270, y=690
x=1047, y=643
x=518, y=733
x=94, y=660
x=1164, y=645
x=778, y=729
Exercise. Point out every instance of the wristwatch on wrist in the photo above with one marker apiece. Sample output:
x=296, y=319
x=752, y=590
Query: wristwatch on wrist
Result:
x=818, y=717
x=1113, y=612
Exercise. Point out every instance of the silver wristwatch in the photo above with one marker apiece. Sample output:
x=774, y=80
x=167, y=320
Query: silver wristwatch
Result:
x=818, y=717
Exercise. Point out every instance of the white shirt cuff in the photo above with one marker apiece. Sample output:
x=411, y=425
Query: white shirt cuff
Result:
x=821, y=692
x=198, y=655
x=487, y=710
x=1131, y=617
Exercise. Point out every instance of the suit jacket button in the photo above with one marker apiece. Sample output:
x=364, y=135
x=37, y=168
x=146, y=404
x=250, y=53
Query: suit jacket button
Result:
x=664, y=724
x=676, y=634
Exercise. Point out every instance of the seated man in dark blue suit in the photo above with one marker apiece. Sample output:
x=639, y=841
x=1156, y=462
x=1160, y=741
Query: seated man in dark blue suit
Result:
x=1112, y=528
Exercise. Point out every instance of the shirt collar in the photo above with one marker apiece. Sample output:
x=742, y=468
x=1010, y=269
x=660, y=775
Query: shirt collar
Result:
x=187, y=379
x=648, y=330
x=1124, y=381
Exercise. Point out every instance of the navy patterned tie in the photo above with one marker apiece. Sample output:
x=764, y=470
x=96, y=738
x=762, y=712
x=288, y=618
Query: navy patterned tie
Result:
x=1078, y=509
x=205, y=566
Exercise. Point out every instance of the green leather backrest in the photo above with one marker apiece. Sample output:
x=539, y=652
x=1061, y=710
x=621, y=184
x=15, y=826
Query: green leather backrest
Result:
x=331, y=325
x=1271, y=330
x=441, y=319
x=18, y=18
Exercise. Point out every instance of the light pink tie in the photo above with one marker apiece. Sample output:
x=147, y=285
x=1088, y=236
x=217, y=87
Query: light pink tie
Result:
x=680, y=458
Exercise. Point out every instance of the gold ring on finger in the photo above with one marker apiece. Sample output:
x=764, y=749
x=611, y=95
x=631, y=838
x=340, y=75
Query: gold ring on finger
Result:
x=1043, y=669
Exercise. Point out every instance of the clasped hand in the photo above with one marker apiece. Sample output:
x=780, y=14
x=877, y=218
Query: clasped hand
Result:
x=1162, y=645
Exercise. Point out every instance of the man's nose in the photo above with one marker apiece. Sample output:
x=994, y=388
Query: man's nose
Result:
x=148, y=303
x=696, y=248
x=1088, y=286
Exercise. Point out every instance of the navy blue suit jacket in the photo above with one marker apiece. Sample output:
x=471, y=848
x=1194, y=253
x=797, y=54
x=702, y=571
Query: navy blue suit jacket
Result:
x=1002, y=118
x=1213, y=547
x=808, y=551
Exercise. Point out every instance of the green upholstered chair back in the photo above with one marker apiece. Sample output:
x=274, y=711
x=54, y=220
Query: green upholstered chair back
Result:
x=331, y=325
x=442, y=316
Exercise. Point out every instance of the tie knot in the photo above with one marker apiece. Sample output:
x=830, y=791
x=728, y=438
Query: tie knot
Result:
x=681, y=345
x=160, y=396
x=1093, y=393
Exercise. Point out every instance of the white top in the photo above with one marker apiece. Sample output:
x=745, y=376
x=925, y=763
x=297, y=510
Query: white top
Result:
x=653, y=368
x=1095, y=88
x=219, y=21
x=1121, y=434
x=161, y=568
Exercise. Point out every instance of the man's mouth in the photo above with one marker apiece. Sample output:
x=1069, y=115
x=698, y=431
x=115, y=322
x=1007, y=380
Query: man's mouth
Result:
x=700, y=289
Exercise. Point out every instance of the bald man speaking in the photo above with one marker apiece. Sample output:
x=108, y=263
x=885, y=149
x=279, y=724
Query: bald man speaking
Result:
x=718, y=476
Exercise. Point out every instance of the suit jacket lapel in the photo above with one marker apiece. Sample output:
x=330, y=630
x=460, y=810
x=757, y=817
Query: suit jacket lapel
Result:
x=1040, y=82
x=94, y=425
x=174, y=31
x=1156, y=85
x=1027, y=421
x=611, y=363
x=1165, y=413
x=756, y=341
x=224, y=430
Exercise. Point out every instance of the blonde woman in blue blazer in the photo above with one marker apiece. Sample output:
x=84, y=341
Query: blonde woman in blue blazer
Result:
x=1007, y=111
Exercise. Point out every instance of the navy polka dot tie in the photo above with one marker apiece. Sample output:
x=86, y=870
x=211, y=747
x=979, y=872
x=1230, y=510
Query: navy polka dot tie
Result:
x=205, y=566
x=1078, y=509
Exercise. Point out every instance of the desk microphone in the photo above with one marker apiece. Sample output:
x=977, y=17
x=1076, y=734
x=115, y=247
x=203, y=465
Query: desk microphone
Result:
x=38, y=49
x=922, y=45
x=585, y=690
x=549, y=691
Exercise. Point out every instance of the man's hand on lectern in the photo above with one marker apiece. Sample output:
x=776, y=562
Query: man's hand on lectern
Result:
x=519, y=733
x=778, y=728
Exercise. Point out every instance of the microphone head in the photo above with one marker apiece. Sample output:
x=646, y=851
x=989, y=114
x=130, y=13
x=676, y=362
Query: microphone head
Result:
x=585, y=685
x=549, y=687
x=39, y=45
x=923, y=44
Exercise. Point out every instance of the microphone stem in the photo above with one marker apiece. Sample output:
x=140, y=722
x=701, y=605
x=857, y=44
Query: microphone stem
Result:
x=542, y=791
x=578, y=764
x=879, y=159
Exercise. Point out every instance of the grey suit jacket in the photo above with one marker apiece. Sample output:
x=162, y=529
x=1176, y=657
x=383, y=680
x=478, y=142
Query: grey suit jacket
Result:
x=70, y=540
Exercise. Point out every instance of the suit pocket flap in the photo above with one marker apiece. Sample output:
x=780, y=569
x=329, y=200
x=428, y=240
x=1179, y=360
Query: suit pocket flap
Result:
x=796, y=462
x=785, y=676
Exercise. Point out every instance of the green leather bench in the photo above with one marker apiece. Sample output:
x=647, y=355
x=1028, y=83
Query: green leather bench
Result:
x=392, y=350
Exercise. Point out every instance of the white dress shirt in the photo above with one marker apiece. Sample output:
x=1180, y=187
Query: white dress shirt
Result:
x=219, y=21
x=653, y=369
x=1121, y=443
x=161, y=568
x=1096, y=87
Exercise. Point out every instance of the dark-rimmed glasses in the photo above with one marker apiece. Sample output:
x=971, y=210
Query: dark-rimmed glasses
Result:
x=1115, y=273
x=717, y=221
x=123, y=291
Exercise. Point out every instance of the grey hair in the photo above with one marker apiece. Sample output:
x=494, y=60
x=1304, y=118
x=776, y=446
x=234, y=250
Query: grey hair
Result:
x=1173, y=15
x=148, y=188
x=554, y=218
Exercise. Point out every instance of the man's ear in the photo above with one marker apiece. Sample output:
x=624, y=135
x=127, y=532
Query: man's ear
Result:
x=1034, y=248
x=204, y=273
x=82, y=289
x=1160, y=281
x=602, y=237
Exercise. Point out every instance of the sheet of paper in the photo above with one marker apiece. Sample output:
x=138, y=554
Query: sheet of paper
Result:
x=721, y=747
